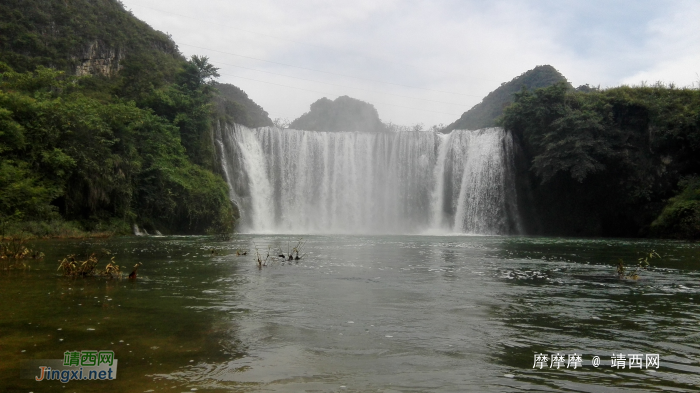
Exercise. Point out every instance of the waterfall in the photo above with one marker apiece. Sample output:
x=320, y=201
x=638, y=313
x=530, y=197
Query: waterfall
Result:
x=291, y=181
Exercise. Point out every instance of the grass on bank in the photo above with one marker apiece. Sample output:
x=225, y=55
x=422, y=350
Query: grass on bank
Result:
x=60, y=229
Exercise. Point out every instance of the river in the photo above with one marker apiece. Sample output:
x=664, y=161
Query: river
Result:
x=361, y=313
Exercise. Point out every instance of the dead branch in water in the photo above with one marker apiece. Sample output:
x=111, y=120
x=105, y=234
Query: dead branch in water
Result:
x=297, y=249
x=259, y=259
x=292, y=253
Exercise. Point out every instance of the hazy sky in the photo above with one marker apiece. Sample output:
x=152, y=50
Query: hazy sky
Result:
x=426, y=61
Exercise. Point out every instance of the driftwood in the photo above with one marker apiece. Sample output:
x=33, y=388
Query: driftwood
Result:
x=292, y=254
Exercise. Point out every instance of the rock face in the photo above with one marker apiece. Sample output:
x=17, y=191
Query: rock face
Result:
x=97, y=58
x=81, y=37
x=485, y=113
x=342, y=114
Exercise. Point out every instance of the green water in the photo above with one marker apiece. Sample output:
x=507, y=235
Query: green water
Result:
x=356, y=314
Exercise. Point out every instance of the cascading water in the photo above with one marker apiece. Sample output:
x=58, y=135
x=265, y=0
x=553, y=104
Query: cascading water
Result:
x=290, y=181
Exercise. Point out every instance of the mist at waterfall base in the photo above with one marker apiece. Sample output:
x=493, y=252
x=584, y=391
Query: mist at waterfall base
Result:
x=292, y=181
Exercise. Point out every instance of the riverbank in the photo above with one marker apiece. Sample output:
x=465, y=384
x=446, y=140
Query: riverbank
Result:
x=59, y=229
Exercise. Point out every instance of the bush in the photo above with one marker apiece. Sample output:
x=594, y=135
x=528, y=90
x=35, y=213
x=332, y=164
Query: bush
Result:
x=680, y=217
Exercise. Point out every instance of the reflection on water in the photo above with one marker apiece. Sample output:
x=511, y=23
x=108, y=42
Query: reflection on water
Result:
x=154, y=324
x=399, y=313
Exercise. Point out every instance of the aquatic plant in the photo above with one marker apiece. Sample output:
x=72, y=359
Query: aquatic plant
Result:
x=16, y=249
x=642, y=264
x=14, y=252
x=72, y=267
x=112, y=269
x=75, y=268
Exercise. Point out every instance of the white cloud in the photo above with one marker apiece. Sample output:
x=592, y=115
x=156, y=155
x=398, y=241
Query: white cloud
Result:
x=674, y=42
x=436, y=47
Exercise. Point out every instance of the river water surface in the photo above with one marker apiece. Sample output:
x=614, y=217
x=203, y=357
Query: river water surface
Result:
x=360, y=314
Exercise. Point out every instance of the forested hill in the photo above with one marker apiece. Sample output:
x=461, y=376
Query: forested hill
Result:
x=622, y=161
x=104, y=124
x=81, y=37
x=342, y=114
x=485, y=113
x=235, y=103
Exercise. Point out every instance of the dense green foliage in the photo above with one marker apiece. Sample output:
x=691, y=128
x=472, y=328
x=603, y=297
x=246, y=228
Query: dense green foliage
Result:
x=65, y=152
x=58, y=34
x=238, y=108
x=342, y=114
x=187, y=105
x=681, y=216
x=485, y=113
x=131, y=142
x=604, y=162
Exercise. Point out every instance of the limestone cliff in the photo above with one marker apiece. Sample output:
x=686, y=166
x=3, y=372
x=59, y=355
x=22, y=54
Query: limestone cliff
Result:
x=97, y=58
x=83, y=37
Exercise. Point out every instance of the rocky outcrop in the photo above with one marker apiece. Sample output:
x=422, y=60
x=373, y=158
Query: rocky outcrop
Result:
x=485, y=113
x=97, y=58
x=342, y=114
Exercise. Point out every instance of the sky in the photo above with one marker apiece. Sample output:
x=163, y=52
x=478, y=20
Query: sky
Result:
x=426, y=61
